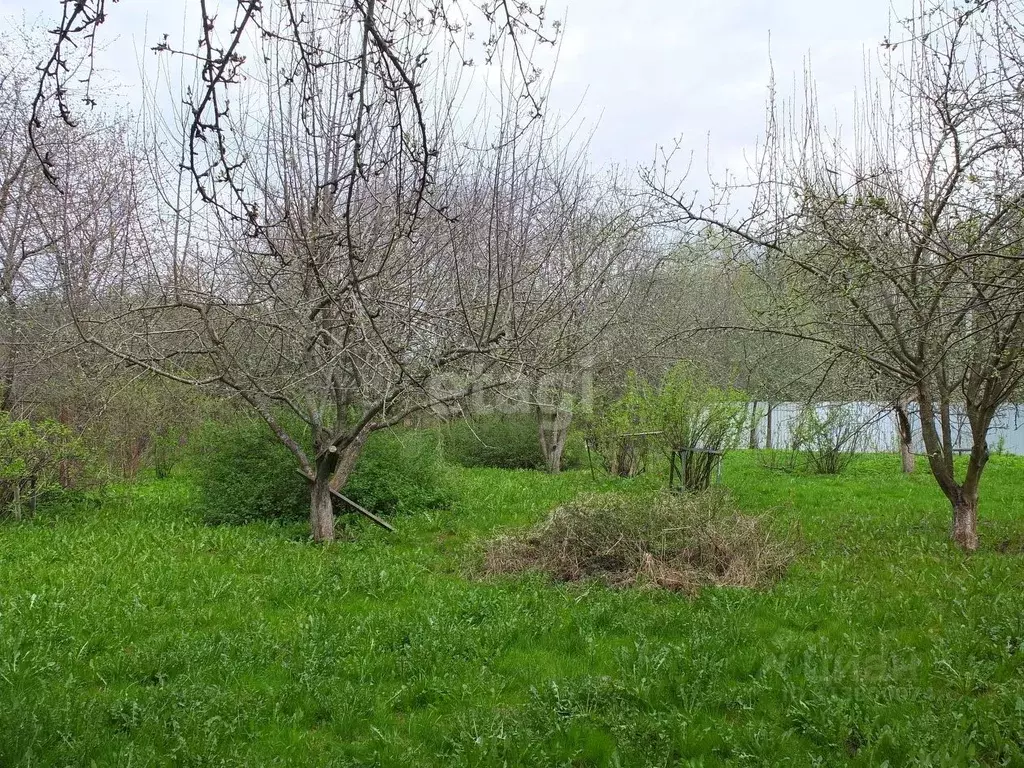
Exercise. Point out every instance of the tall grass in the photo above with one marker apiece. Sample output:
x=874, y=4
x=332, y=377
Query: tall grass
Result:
x=132, y=635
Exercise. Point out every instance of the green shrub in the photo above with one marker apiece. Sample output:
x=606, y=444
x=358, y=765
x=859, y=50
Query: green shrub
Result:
x=692, y=414
x=682, y=413
x=830, y=439
x=619, y=429
x=504, y=442
x=245, y=474
x=824, y=440
x=36, y=460
x=399, y=472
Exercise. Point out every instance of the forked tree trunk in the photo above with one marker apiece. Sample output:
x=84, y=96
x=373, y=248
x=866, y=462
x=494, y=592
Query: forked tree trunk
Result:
x=963, y=497
x=347, y=458
x=332, y=472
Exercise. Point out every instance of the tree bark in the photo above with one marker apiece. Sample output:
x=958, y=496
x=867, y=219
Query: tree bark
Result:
x=907, y=458
x=946, y=421
x=321, y=509
x=321, y=505
x=553, y=428
x=752, y=444
x=347, y=458
x=768, y=428
x=965, y=523
x=963, y=497
x=906, y=435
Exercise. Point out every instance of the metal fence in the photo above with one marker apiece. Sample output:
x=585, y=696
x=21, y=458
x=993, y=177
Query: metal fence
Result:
x=880, y=433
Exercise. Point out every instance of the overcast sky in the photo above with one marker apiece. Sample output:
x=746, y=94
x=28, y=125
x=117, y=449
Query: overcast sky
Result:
x=644, y=71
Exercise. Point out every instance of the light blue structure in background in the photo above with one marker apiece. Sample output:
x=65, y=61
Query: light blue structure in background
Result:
x=880, y=432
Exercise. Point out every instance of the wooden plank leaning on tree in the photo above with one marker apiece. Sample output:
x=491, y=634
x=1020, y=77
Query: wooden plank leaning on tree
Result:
x=358, y=508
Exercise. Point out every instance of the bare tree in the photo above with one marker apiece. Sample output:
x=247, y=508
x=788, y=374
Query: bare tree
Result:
x=360, y=242
x=502, y=33
x=904, y=250
x=39, y=227
x=598, y=247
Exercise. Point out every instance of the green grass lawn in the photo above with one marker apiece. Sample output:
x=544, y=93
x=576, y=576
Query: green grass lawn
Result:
x=130, y=635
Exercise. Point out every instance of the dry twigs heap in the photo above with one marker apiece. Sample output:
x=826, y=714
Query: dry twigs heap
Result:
x=681, y=543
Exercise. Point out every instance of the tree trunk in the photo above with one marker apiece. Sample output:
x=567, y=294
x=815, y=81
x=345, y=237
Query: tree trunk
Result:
x=553, y=429
x=768, y=428
x=321, y=509
x=963, y=497
x=907, y=458
x=554, y=450
x=752, y=444
x=946, y=422
x=347, y=459
x=906, y=435
x=965, y=523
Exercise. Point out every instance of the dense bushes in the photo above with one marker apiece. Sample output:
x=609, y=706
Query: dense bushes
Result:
x=399, y=472
x=503, y=441
x=244, y=474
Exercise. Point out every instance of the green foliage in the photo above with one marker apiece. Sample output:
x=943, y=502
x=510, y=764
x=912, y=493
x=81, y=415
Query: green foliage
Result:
x=400, y=472
x=132, y=636
x=243, y=473
x=34, y=459
x=824, y=440
x=684, y=411
x=502, y=441
x=693, y=414
x=830, y=438
x=616, y=427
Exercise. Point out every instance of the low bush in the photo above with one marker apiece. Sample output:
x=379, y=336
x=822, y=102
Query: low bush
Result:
x=503, y=442
x=698, y=422
x=37, y=460
x=680, y=543
x=830, y=438
x=400, y=472
x=620, y=429
x=245, y=474
x=824, y=440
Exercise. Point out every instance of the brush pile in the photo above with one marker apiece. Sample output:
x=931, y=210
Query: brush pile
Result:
x=675, y=542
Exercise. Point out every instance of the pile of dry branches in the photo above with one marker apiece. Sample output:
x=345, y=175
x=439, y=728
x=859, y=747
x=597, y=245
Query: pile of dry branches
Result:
x=676, y=542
